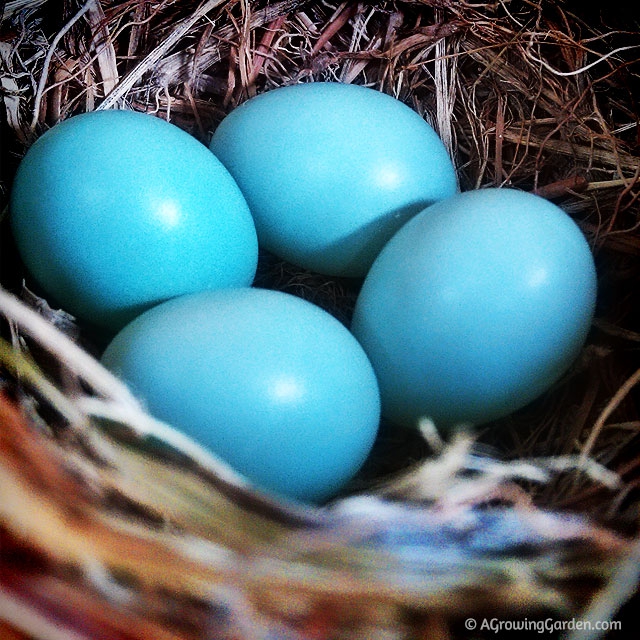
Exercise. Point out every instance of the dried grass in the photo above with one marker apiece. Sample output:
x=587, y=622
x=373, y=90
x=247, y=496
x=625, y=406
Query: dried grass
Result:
x=98, y=523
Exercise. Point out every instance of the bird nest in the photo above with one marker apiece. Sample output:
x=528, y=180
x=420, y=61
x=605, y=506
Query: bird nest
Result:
x=114, y=525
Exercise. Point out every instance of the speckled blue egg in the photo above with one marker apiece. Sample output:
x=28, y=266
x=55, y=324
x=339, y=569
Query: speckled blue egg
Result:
x=330, y=171
x=475, y=307
x=115, y=211
x=271, y=383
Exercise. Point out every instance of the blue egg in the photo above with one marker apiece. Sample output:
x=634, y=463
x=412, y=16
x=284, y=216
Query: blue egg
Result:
x=476, y=307
x=269, y=382
x=330, y=171
x=115, y=211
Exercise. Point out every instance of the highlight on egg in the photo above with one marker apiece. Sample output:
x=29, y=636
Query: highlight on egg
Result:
x=114, y=211
x=475, y=307
x=330, y=171
x=270, y=383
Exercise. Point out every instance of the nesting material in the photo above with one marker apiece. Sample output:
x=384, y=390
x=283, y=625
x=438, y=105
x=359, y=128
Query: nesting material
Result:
x=113, y=525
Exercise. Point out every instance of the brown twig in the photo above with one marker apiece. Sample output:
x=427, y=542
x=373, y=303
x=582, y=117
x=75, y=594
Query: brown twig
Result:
x=263, y=48
x=334, y=26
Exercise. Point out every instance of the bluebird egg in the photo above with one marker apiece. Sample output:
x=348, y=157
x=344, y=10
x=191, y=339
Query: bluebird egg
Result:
x=272, y=384
x=115, y=211
x=330, y=171
x=475, y=307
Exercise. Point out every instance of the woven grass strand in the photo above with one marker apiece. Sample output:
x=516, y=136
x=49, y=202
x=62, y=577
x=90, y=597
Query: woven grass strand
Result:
x=112, y=99
x=67, y=351
x=47, y=61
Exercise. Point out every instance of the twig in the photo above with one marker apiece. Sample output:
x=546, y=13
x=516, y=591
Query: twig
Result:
x=607, y=184
x=562, y=187
x=444, y=71
x=10, y=8
x=613, y=404
x=343, y=17
x=498, y=170
x=263, y=48
x=104, y=48
x=47, y=61
x=575, y=72
x=127, y=83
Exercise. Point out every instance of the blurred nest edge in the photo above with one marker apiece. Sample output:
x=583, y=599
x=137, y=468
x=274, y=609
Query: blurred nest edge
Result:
x=532, y=521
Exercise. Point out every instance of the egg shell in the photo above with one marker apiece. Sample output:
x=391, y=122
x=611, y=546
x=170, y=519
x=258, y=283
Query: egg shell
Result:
x=475, y=307
x=115, y=211
x=330, y=171
x=272, y=384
